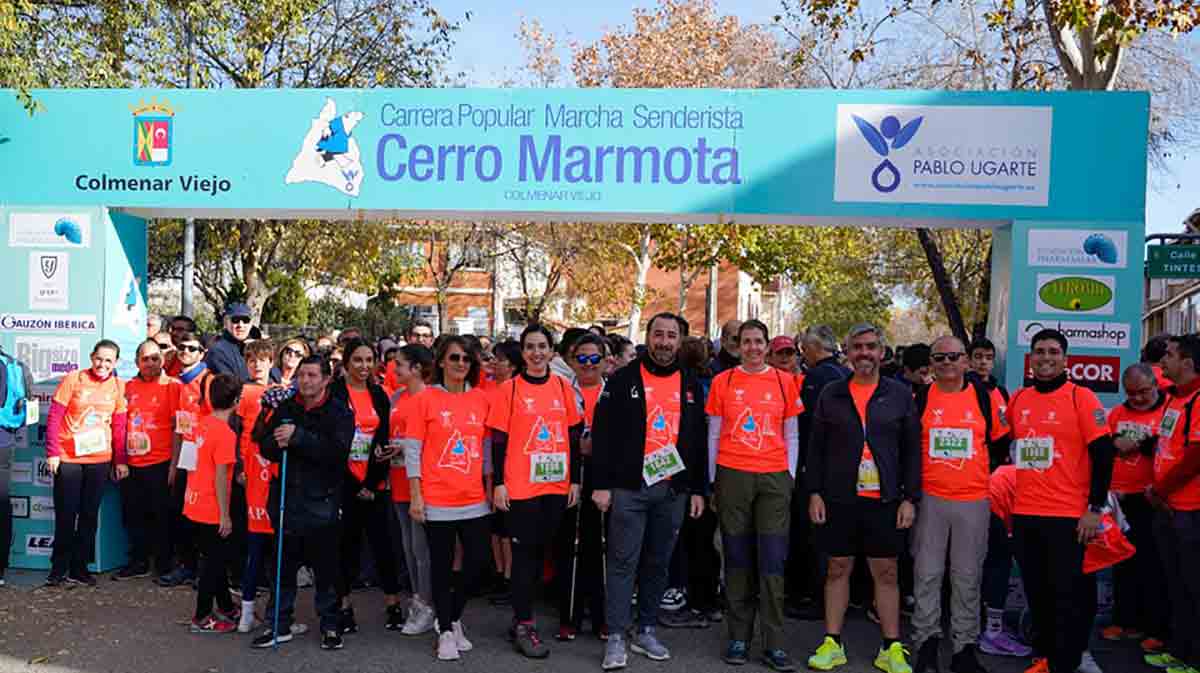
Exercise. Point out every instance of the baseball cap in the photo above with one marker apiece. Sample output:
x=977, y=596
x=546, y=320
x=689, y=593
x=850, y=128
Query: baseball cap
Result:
x=238, y=310
x=782, y=341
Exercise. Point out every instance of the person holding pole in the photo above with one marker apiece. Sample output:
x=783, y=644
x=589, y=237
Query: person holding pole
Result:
x=310, y=434
x=649, y=462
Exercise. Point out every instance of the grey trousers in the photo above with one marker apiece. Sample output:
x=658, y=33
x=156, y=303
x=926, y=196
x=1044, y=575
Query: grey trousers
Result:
x=643, y=526
x=416, y=554
x=961, y=527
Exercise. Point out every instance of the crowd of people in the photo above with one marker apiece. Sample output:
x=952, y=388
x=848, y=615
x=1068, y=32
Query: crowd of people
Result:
x=837, y=471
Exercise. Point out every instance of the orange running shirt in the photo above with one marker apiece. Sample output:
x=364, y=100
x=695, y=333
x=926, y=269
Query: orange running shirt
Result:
x=537, y=419
x=450, y=428
x=86, y=434
x=752, y=408
x=662, y=410
x=868, y=473
x=591, y=395
x=215, y=446
x=1051, y=432
x=398, y=474
x=1134, y=472
x=1171, y=447
x=258, y=470
x=1002, y=493
x=190, y=406
x=151, y=407
x=366, y=422
x=954, y=453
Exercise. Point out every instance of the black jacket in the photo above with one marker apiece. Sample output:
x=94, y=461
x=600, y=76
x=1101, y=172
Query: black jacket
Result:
x=818, y=376
x=225, y=357
x=377, y=470
x=835, y=446
x=316, y=462
x=619, y=431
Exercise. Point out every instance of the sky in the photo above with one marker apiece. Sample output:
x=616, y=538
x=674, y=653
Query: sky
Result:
x=487, y=52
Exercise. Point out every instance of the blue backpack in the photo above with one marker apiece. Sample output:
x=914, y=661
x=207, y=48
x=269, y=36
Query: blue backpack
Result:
x=15, y=386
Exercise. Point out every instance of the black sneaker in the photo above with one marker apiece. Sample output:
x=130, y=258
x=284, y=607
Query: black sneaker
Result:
x=686, y=618
x=132, y=571
x=346, y=623
x=528, y=643
x=332, y=640
x=82, y=577
x=927, y=657
x=176, y=577
x=265, y=639
x=395, y=618
x=55, y=578
x=966, y=661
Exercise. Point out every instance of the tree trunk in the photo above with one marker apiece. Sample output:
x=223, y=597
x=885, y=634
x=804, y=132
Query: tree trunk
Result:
x=937, y=266
x=639, y=286
x=441, y=308
x=984, y=299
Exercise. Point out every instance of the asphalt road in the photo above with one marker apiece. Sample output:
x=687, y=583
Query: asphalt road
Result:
x=135, y=627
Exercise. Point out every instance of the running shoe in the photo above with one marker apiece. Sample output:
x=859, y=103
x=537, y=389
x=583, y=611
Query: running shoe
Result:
x=82, y=577
x=527, y=642
x=1040, y=665
x=1113, y=632
x=565, y=633
x=829, y=655
x=778, y=660
x=1161, y=660
x=893, y=659
x=614, y=654
x=1152, y=645
x=447, y=648
x=1183, y=668
x=1087, y=664
x=460, y=637
x=132, y=571
x=395, y=618
x=332, y=640
x=673, y=599
x=736, y=652
x=1002, y=644
x=212, y=624
x=646, y=643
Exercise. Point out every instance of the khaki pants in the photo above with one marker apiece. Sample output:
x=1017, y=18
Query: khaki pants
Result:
x=962, y=528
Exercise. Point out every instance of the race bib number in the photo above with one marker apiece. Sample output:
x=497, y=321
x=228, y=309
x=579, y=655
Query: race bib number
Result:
x=33, y=411
x=185, y=422
x=868, y=476
x=1137, y=432
x=661, y=464
x=1170, y=419
x=547, y=468
x=1035, y=453
x=91, y=442
x=188, y=455
x=138, y=444
x=360, y=447
x=951, y=443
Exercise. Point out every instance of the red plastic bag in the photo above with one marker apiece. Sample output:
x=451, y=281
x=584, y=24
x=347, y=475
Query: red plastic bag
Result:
x=1108, y=548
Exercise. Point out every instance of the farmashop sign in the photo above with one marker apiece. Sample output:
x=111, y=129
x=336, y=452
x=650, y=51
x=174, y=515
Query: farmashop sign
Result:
x=1100, y=373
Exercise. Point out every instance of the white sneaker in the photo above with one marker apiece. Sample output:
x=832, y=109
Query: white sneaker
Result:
x=460, y=637
x=246, y=622
x=304, y=578
x=420, y=619
x=447, y=648
x=1088, y=664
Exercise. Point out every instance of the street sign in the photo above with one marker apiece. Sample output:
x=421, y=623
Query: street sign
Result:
x=1173, y=261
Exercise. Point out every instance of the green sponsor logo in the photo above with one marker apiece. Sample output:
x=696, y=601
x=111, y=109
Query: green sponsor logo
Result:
x=1076, y=293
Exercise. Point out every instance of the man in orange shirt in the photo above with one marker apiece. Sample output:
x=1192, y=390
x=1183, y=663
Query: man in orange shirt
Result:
x=962, y=424
x=1064, y=457
x=1176, y=492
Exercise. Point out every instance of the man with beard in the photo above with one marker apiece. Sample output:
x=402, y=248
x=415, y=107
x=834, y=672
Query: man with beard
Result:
x=648, y=439
x=729, y=356
x=863, y=477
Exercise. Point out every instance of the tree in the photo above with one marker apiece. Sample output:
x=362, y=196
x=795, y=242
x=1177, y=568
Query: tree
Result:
x=692, y=249
x=289, y=304
x=554, y=262
x=442, y=251
x=844, y=304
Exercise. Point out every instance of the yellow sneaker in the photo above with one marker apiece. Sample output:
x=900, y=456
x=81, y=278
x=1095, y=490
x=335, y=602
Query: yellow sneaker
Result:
x=829, y=656
x=892, y=660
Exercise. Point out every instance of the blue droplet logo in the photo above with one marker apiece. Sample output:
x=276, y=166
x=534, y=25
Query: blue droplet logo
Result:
x=69, y=229
x=1101, y=247
x=750, y=425
x=458, y=449
x=660, y=423
x=543, y=434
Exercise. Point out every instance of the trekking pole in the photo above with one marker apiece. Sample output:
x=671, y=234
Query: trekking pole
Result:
x=575, y=549
x=604, y=551
x=279, y=551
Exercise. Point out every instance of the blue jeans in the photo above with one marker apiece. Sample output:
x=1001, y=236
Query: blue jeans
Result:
x=643, y=527
x=318, y=549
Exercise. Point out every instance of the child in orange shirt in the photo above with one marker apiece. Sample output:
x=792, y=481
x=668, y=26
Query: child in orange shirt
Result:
x=206, y=504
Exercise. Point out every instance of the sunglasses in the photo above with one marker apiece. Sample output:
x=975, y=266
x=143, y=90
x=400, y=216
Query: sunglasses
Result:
x=458, y=358
x=191, y=349
x=942, y=357
x=294, y=352
x=786, y=352
x=240, y=320
x=593, y=359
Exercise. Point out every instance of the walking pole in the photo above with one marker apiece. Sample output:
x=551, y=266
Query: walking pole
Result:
x=575, y=549
x=279, y=551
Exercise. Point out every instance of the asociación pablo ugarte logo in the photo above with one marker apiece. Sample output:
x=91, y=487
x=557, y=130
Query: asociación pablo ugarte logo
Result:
x=891, y=136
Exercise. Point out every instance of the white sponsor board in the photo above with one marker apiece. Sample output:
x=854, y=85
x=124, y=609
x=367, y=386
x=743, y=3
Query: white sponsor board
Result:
x=1077, y=294
x=41, y=507
x=26, y=323
x=22, y=473
x=1113, y=335
x=41, y=472
x=49, y=230
x=49, y=280
x=47, y=357
x=39, y=545
x=20, y=506
x=977, y=155
x=1087, y=248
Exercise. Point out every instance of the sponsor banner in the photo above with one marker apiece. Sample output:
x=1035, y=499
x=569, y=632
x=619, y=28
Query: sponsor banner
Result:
x=20, y=506
x=1102, y=249
x=39, y=545
x=41, y=508
x=1112, y=335
x=49, y=230
x=19, y=323
x=943, y=154
x=49, y=281
x=1100, y=373
x=1078, y=294
x=41, y=472
x=48, y=358
x=22, y=473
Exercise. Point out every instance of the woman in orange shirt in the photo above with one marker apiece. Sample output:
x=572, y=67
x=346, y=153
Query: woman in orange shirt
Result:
x=536, y=426
x=508, y=363
x=364, y=498
x=447, y=456
x=151, y=399
x=85, y=434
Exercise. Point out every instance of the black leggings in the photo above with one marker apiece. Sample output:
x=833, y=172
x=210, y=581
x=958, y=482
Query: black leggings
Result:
x=370, y=517
x=78, y=488
x=589, y=577
x=531, y=524
x=214, y=582
x=450, y=588
x=1061, y=598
